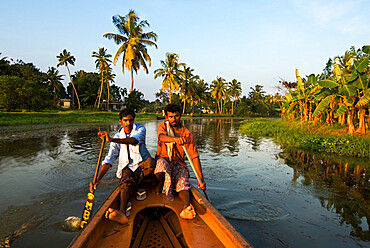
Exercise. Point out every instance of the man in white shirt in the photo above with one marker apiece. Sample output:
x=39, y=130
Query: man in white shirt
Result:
x=134, y=161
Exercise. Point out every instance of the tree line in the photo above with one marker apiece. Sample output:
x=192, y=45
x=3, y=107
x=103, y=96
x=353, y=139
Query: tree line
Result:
x=340, y=94
x=23, y=86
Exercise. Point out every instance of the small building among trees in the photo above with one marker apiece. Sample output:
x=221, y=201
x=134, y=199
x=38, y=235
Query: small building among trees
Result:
x=65, y=103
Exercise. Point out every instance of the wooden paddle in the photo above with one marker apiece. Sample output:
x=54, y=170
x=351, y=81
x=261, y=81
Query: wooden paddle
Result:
x=90, y=196
x=195, y=171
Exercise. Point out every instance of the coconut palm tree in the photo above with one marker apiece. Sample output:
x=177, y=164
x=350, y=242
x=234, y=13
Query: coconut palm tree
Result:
x=102, y=63
x=54, y=80
x=218, y=91
x=203, y=95
x=187, y=87
x=66, y=58
x=170, y=73
x=133, y=41
x=234, y=91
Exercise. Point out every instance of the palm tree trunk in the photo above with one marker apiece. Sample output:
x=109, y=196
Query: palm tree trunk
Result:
x=78, y=100
x=170, y=93
x=108, y=95
x=232, y=107
x=183, y=109
x=54, y=97
x=132, y=79
x=101, y=89
x=221, y=106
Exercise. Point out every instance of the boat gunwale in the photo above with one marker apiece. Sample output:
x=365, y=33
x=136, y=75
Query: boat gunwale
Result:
x=224, y=231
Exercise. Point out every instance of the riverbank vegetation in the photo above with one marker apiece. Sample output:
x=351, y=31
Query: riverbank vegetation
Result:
x=308, y=137
x=339, y=95
x=24, y=87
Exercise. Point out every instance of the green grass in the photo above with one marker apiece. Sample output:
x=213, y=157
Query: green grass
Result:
x=21, y=118
x=293, y=134
x=50, y=117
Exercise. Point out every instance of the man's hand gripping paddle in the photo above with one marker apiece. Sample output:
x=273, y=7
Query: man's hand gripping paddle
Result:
x=194, y=170
x=90, y=196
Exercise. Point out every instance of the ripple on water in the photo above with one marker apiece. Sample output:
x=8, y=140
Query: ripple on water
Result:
x=253, y=210
x=219, y=172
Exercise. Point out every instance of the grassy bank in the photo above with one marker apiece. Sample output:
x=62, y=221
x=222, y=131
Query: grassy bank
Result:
x=19, y=118
x=50, y=117
x=326, y=139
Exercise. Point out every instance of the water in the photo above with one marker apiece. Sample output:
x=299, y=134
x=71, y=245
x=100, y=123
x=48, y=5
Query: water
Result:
x=273, y=197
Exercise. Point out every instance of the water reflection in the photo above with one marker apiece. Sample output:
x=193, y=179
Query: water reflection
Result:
x=219, y=136
x=274, y=198
x=349, y=183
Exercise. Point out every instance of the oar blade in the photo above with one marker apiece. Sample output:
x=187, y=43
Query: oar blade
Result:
x=88, y=209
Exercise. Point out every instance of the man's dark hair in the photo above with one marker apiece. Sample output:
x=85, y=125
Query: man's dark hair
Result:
x=173, y=108
x=125, y=112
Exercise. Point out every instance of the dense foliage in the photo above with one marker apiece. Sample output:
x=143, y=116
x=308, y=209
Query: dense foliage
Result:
x=340, y=94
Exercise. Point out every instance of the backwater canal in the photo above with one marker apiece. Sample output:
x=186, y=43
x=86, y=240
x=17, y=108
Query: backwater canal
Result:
x=273, y=197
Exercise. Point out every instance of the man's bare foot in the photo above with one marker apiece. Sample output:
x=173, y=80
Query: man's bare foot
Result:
x=158, y=188
x=116, y=215
x=188, y=213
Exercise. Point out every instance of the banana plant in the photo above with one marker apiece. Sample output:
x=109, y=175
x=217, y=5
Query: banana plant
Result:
x=360, y=80
x=343, y=92
x=351, y=91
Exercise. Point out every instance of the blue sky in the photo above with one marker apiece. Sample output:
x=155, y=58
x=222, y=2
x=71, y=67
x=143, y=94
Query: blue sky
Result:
x=255, y=42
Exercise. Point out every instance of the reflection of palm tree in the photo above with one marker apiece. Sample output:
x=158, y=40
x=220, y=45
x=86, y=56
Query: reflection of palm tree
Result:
x=54, y=80
x=218, y=90
x=102, y=60
x=133, y=43
x=66, y=58
x=234, y=91
x=170, y=73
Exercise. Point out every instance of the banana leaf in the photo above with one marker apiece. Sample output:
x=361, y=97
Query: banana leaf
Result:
x=365, y=99
x=327, y=83
x=311, y=80
x=361, y=66
x=341, y=110
x=366, y=49
x=323, y=105
x=361, y=82
x=347, y=90
x=353, y=77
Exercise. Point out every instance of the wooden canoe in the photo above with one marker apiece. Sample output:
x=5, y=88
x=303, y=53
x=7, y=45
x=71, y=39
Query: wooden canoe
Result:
x=155, y=222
